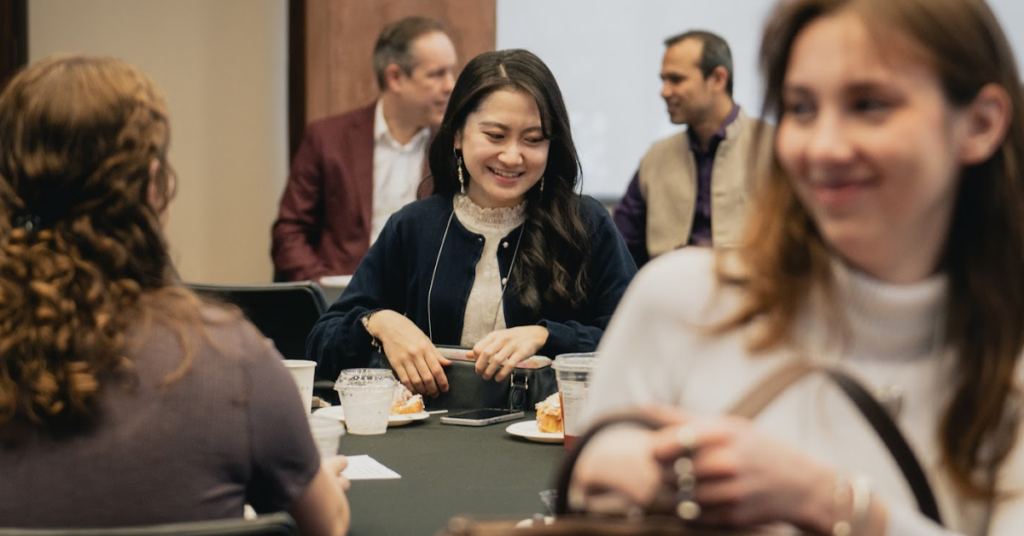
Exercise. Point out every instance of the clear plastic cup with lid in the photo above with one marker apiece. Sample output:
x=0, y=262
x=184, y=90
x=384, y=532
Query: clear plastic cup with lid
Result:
x=366, y=396
x=572, y=371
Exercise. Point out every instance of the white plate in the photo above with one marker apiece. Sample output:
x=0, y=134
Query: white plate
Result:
x=338, y=412
x=528, y=429
x=338, y=281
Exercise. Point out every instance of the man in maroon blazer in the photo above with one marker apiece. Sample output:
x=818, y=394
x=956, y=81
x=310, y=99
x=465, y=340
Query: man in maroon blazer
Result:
x=355, y=169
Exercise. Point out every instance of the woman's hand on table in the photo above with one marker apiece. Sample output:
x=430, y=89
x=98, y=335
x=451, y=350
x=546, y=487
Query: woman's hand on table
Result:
x=412, y=356
x=498, y=353
x=334, y=467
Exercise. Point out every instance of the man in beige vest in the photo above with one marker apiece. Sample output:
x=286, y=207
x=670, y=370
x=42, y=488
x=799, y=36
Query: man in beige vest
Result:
x=692, y=188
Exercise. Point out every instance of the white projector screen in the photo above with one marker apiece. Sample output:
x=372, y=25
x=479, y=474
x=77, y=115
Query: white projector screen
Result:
x=606, y=55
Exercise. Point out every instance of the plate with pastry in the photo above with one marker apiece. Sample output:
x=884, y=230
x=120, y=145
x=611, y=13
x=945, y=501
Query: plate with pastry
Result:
x=338, y=412
x=548, y=426
x=405, y=408
x=529, y=430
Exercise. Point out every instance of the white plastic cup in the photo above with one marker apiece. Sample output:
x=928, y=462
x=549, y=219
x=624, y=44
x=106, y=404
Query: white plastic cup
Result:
x=302, y=372
x=572, y=372
x=366, y=396
x=327, y=432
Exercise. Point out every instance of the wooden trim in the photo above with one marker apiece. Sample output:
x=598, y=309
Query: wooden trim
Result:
x=13, y=38
x=339, y=39
x=296, y=74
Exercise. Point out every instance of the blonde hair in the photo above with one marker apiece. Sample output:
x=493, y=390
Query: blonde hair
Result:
x=984, y=252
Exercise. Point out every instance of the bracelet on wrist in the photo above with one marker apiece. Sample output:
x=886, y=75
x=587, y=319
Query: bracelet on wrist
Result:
x=365, y=319
x=861, y=503
x=851, y=502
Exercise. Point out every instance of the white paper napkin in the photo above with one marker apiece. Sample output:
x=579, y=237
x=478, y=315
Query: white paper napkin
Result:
x=363, y=467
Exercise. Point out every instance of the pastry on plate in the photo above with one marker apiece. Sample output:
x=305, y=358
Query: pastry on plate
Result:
x=404, y=402
x=549, y=415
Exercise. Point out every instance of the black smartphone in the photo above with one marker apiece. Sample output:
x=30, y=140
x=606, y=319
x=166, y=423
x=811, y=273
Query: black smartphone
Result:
x=482, y=417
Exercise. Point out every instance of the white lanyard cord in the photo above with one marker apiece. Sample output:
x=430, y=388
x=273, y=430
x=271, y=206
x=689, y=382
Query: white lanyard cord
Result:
x=430, y=289
x=437, y=261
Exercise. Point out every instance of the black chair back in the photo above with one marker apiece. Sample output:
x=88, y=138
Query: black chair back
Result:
x=279, y=524
x=283, y=312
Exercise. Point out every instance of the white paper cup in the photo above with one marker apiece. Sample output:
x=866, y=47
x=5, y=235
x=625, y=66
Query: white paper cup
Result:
x=302, y=372
x=327, y=432
x=366, y=396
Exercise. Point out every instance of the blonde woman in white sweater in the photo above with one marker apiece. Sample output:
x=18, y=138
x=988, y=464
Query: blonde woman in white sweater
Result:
x=887, y=238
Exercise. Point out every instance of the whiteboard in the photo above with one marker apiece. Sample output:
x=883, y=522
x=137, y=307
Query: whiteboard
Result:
x=606, y=56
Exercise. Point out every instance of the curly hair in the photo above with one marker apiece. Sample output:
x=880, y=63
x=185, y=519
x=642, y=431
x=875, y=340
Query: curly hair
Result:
x=555, y=241
x=83, y=181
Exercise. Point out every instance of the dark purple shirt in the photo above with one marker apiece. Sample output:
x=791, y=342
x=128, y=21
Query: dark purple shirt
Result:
x=700, y=233
x=631, y=213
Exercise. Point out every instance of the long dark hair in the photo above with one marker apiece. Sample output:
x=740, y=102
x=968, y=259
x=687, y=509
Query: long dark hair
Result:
x=555, y=246
x=984, y=252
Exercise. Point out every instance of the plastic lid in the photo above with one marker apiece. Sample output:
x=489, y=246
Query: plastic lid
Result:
x=575, y=362
x=363, y=376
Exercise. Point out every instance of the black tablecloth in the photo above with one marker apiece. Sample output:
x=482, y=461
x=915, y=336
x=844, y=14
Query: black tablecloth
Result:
x=446, y=471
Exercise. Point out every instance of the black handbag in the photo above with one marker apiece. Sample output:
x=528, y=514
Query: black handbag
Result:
x=523, y=389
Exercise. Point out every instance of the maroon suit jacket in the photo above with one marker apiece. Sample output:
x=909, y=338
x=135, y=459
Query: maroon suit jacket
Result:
x=326, y=211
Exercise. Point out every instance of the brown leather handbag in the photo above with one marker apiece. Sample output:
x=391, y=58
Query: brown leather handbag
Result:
x=569, y=522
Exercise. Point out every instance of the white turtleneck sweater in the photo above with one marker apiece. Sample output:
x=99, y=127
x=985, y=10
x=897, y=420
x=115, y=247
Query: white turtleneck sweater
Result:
x=484, y=311
x=656, y=352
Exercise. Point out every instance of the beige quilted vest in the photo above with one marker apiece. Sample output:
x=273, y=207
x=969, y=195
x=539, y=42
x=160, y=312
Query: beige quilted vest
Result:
x=668, y=183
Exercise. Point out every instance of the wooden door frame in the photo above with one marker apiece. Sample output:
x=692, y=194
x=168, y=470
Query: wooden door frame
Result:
x=13, y=38
x=327, y=73
x=296, y=74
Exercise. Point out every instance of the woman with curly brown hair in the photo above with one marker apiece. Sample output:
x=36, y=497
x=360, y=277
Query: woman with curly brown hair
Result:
x=124, y=400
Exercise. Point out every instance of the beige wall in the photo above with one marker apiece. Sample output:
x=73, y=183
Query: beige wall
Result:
x=222, y=65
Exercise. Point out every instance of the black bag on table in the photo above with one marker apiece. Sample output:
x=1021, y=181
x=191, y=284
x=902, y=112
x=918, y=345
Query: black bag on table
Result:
x=524, y=388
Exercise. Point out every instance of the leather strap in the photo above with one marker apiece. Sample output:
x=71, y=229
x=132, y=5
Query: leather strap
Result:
x=519, y=384
x=764, y=392
x=564, y=479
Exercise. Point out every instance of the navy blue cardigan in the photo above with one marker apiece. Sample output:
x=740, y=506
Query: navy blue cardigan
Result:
x=396, y=273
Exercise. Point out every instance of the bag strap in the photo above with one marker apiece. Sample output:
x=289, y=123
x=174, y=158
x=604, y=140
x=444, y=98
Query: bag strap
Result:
x=569, y=463
x=519, y=384
x=764, y=392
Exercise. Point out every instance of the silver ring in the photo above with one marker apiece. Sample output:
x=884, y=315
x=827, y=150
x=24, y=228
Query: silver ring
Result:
x=686, y=435
x=688, y=510
x=686, y=481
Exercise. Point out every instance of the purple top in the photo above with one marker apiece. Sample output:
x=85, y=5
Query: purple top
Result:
x=231, y=431
x=700, y=233
x=631, y=213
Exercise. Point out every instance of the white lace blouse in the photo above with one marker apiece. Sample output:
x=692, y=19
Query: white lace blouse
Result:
x=484, y=312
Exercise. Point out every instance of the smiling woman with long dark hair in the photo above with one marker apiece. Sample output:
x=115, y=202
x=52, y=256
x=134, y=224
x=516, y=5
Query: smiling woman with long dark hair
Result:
x=505, y=258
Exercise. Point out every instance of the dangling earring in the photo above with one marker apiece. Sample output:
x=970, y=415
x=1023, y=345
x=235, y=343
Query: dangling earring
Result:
x=462, y=182
x=458, y=164
x=542, y=184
